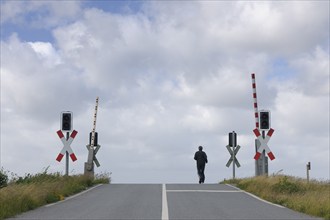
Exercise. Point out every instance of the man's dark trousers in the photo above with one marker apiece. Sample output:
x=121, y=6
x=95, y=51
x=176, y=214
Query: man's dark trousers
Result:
x=200, y=170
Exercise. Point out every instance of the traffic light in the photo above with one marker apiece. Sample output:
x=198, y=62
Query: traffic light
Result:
x=232, y=139
x=95, y=139
x=264, y=120
x=66, y=121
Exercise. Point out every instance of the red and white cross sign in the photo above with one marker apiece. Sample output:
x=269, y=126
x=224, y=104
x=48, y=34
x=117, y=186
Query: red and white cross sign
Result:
x=66, y=144
x=263, y=144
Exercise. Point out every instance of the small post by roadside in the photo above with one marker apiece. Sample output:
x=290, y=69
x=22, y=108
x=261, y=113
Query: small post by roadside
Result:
x=308, y=168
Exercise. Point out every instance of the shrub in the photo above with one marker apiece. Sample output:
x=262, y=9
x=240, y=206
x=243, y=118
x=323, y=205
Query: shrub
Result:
x=31, y=191
x=286, y=186
x=52, y=197
x=3, y=178
x=102, y=178
x=311, y=198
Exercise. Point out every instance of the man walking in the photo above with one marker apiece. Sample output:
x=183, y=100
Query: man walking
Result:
x=201, y=160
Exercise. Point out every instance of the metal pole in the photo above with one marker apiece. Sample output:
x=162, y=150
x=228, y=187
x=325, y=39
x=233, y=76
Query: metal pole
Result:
x=67, y=157
x=233, y=156
x=307, y=170
x=257, y=170
x=263, y=157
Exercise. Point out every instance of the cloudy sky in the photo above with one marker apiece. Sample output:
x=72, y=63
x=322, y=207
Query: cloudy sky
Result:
x=170, y=75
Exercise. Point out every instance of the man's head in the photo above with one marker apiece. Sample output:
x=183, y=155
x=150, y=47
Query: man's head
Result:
x=200, y=148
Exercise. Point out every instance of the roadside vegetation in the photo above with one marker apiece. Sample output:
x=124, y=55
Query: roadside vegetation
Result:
x=21, y=194
x=311, y=198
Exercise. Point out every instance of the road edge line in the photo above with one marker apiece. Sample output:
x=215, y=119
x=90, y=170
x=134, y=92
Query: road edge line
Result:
x=256, y=197
x=206, y=191
x=164, y=203
x=73, y=196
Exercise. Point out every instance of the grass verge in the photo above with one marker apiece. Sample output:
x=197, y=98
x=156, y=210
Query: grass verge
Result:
x=311, y=198
x=32, y=191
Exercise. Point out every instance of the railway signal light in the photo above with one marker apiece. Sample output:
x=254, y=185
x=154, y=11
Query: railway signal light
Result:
x=66, y=121
x=95, y=139
x=232, y=139
x=264, y=120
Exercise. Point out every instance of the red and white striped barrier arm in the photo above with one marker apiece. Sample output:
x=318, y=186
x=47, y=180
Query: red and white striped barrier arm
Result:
x=66, y=144
x=94, y=122
x=263, y=144
x=255, y=102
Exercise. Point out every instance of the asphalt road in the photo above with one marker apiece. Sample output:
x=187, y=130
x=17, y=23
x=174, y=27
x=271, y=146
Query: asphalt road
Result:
x=163, y=201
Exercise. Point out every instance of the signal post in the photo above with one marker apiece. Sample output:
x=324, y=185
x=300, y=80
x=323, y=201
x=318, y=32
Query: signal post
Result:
x=260, y=157
x=66, y=126
x=92, y=147
x=262, y=120
x=235, y=148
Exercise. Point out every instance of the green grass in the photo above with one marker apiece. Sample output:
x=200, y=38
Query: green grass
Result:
x=311, y=198
x=32, y=191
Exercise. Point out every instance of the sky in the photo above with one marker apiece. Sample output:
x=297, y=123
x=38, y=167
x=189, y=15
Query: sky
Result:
x=170, y=76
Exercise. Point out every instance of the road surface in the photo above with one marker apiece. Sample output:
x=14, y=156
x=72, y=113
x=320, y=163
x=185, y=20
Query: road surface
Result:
x=163, y=201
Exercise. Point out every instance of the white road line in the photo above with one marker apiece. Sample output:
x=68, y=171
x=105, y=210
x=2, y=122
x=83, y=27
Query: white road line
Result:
x=74, y=196
x=212, y=191
x=164, y=204
x=256, y=197
x=233, y=187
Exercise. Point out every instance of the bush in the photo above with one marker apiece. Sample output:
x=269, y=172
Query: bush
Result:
x=52, y=197
x=286, y=186
x=311, y=198
x=3, y=178
x=37, y=178
x=31, y=191
x=102, y=178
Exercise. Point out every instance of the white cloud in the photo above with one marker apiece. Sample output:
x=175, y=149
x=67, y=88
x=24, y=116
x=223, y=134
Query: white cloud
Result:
x=46, y=51
x=168, y=82
x=36, y=83
x=39, y=14
x=299, y=113
x=314, y=69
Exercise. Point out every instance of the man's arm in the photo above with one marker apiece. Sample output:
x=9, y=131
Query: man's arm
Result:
x=205, y=157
